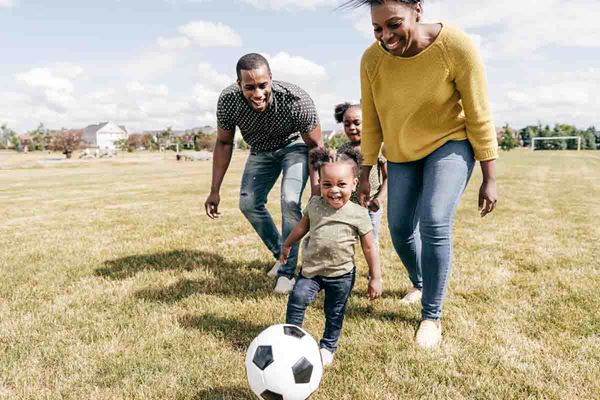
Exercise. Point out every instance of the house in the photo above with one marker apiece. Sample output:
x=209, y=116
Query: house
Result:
x=104, y=135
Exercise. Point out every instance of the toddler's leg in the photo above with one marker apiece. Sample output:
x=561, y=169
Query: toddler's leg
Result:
x=337, y=291
x=304, y=293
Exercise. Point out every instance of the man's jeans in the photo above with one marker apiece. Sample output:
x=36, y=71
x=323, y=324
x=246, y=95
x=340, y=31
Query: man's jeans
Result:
x=337, y=291
x=260, y=174
x=422, y=199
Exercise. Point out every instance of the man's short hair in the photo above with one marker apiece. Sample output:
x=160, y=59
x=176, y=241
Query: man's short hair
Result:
x=250, y=61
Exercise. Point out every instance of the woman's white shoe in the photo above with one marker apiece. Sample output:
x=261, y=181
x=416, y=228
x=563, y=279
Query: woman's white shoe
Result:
x=429, y=334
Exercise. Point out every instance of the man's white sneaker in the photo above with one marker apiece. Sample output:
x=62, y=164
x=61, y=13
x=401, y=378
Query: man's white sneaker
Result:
x=326, y=357
x=284, y=285
x=273, y=271
x=413, y=296
x=429, y=334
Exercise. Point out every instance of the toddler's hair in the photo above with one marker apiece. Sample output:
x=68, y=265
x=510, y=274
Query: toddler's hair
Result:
x=341, y=109
x=320, y=156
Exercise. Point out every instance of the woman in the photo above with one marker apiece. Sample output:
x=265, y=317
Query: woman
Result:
x=424, y=95
x=350, y=115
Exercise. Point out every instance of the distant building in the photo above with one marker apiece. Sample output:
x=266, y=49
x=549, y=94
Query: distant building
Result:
x=104, y=135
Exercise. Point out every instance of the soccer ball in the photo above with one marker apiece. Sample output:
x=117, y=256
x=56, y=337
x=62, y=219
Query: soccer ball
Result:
x=284, y=363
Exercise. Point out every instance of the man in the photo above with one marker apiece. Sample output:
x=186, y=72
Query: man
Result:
x=280, y=123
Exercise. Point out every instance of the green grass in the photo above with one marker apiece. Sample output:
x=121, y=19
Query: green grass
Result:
x=114, y=285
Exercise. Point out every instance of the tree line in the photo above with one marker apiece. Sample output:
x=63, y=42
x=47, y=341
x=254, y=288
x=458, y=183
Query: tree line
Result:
x=511, y=138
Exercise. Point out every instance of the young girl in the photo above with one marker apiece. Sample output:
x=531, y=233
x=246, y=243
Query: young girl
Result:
x=351, y=116
x=335, y=226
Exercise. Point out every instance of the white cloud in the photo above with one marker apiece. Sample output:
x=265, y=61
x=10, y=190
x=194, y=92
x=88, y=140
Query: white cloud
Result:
x=53, y=91
x=213, y=79
x=290, y=4
x=149, y=65
x=296, y=69
x=175, y=43
x=210, y=34
x=6, y=3
x=135, y=87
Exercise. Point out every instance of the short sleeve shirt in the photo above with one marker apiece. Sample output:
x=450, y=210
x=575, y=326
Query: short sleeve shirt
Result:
x=333, y=236
x=292, y=112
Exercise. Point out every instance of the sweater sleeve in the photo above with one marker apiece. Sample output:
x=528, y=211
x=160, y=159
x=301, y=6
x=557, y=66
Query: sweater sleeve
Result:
x=372, y=135
x=471, y=83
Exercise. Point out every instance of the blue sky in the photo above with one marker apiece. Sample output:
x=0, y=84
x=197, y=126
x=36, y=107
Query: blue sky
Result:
x=156, y=63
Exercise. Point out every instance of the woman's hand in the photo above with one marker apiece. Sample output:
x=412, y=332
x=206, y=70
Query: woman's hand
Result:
x=488, y=196
x=364, y=189
x=285, y=253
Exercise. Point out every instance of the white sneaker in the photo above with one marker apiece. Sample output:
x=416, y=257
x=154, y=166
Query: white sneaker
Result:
x=414, y=295
x=429, y=334
x=326, y=357
x=284, y=285
x=274, y=269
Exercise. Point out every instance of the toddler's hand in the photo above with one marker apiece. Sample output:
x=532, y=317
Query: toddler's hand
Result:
x=375, y=288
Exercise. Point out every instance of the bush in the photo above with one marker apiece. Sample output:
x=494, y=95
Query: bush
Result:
x=242, y=145
x=203, y=141
x=336, y=141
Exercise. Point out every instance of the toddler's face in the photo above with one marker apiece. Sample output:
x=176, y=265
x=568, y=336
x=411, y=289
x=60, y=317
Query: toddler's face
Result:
x=337, y=183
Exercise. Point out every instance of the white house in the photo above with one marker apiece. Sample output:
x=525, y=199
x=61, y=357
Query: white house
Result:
x=104, y=135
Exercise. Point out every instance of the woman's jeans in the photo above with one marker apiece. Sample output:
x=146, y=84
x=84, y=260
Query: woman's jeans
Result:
x=260, y=174
x=337, y=290
x=422, y=199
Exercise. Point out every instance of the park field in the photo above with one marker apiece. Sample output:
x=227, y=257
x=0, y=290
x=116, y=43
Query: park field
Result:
x=115, y=285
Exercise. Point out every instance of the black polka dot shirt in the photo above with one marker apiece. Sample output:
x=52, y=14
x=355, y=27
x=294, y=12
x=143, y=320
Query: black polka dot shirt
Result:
x=291, y=113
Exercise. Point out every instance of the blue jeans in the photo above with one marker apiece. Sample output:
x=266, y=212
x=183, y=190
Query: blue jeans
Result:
x=376, y=222
x=422, y=200
x=337, y=291
x=260, y=174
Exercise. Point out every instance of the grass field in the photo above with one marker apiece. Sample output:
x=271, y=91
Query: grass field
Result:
x=115, y=285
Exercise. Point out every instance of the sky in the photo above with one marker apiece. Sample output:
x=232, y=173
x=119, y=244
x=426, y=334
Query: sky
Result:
x=150, y=64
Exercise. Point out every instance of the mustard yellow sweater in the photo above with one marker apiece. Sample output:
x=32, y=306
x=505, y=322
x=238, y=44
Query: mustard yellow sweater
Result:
x=416, y=104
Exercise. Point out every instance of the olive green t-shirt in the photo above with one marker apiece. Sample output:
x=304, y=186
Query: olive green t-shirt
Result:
x=333, y=235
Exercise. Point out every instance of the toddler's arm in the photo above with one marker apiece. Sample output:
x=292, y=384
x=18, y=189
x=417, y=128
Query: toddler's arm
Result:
x=297, y=233
x=371, y=252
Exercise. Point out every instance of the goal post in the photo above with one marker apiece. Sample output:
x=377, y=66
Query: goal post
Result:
x=556, y=138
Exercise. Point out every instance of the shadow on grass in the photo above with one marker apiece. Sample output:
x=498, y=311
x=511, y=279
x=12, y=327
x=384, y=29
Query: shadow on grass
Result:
x=239, y=279
x=359, y=311
x=237, y=332
x=224, y=393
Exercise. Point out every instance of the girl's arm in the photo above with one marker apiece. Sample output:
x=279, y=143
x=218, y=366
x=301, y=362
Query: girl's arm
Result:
x=370, y=250
x=297, y=233
x=382, y=195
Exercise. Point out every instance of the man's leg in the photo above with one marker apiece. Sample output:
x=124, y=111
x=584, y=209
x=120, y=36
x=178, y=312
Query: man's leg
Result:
x=260, y=174
x=294, y=164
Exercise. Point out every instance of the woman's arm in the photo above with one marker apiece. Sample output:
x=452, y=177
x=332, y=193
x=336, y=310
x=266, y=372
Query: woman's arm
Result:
x=488, y=193
x=371, y=252
x=297, y=233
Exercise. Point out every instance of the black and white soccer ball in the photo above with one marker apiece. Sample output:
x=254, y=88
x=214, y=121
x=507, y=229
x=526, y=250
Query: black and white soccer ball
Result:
x=284, y=363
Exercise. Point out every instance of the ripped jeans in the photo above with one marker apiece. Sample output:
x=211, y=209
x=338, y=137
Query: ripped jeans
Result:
x=260, y=174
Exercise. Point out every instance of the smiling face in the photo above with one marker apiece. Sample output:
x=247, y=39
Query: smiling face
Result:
x=395, y=26
x=256, y=85
x=353, y=125
x=337, y=183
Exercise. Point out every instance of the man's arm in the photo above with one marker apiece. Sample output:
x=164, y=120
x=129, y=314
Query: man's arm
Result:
x=221, y=160
x=314, y=139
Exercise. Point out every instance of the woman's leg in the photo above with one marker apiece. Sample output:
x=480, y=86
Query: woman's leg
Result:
x=445, y=175
x=404, y=189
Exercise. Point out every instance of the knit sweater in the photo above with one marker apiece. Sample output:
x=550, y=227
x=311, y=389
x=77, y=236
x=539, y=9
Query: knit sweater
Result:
x=416, y=104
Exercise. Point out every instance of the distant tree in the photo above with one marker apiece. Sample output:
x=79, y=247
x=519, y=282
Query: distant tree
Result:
x=66, y=141
x=40, y=138
x=336, y=141
x=123, y=145
x=203, y=141
x=509, y=139
x=8, y=138
x=164, y=137
x=242, y=145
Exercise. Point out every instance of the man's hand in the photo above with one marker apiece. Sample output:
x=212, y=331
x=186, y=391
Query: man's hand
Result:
x=375, y=288
x=212, y=205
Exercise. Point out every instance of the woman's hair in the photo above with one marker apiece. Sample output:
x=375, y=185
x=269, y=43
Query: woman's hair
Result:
x=359, y=3
x=320, y=156
x=341, y=109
